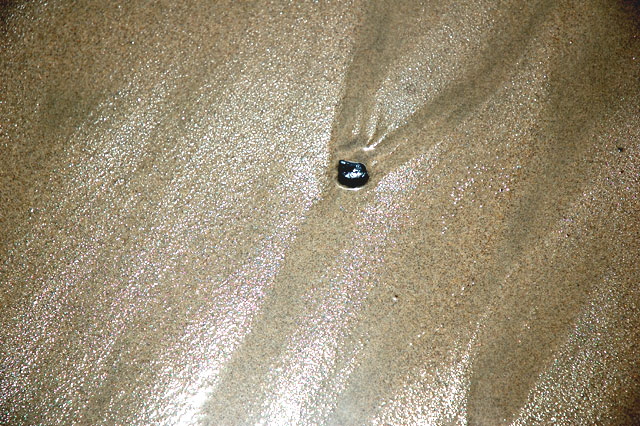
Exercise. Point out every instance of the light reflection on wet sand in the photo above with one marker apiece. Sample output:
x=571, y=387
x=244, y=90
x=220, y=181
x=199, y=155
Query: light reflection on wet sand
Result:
x=175, y=249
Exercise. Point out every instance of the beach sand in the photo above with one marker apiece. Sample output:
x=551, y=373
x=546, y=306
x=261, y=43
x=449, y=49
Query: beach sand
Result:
x=175, y=249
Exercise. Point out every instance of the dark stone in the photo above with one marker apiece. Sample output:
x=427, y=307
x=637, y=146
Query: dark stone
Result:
x=620, y=149
x=352, y=175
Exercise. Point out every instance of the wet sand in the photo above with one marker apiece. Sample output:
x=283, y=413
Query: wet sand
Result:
x=175, y=250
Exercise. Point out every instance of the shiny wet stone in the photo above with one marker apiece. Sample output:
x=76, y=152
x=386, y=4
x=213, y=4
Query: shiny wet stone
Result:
x=352, y=175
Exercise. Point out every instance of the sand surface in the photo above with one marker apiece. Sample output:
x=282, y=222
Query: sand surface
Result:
x=175, y=250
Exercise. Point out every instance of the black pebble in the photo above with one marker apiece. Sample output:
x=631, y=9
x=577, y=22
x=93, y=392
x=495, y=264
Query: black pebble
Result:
x=620, y=149
x=352, y=175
